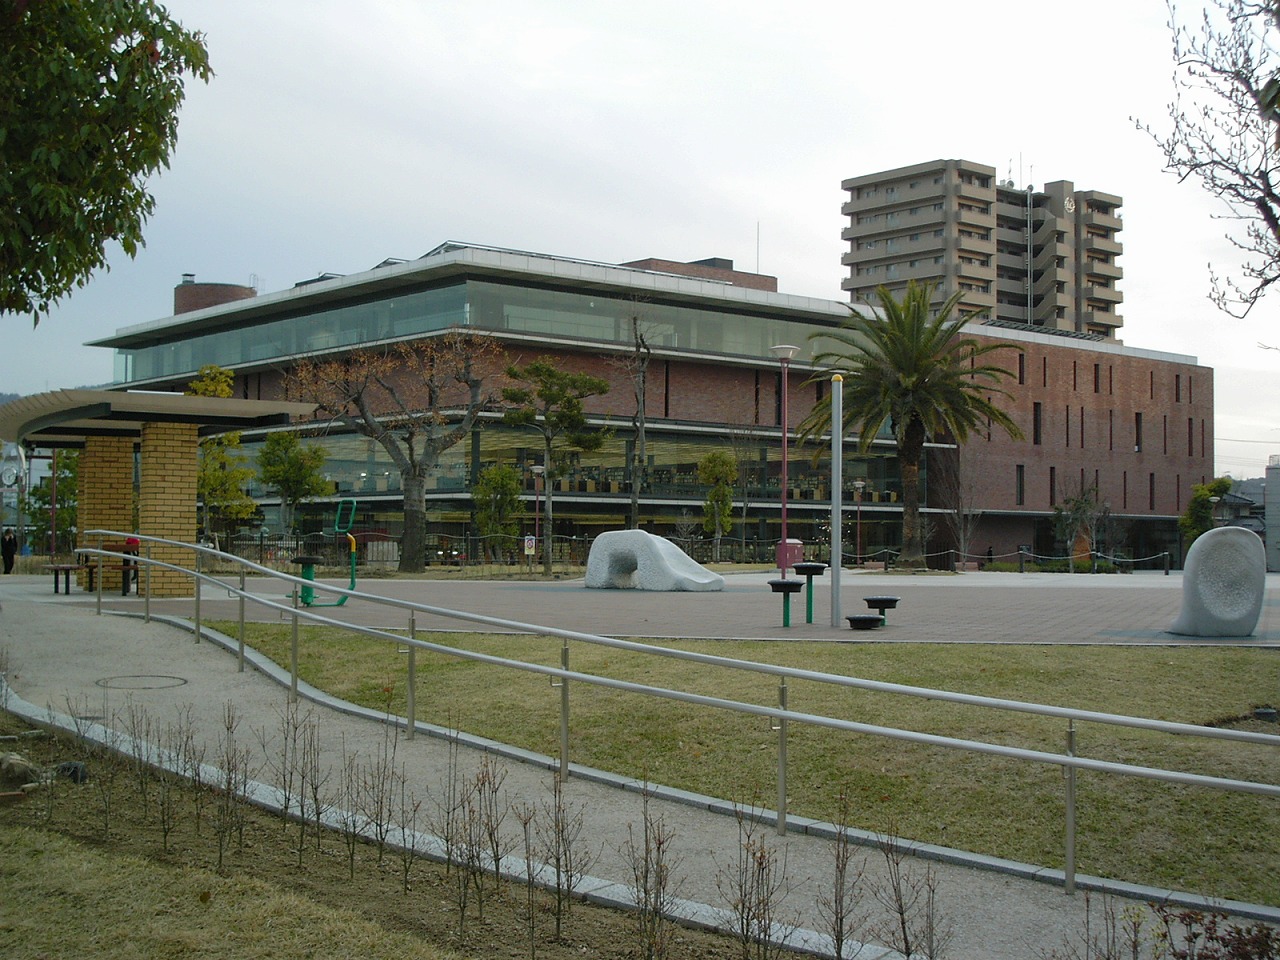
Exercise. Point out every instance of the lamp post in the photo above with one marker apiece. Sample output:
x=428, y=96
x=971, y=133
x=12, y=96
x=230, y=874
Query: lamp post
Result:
x=857, y=486
x=537, y=470
x=1213, y=510
x=784, y=352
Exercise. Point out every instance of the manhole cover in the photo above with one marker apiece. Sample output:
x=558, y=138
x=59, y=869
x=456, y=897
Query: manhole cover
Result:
x=140, y=682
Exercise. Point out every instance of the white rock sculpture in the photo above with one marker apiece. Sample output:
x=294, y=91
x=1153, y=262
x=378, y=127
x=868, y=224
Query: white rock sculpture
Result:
x=636, y=560
x=1222, y=584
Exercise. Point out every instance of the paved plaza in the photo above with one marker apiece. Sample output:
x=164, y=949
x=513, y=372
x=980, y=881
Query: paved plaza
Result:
x=58, y=653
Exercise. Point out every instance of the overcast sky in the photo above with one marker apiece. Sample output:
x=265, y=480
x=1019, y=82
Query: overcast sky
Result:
x=337, y=134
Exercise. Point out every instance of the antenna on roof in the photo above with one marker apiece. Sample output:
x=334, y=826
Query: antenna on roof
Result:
x=757, y=246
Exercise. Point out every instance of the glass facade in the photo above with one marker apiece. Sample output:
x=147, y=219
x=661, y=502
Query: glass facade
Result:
x=482, y=304
x=594, y=492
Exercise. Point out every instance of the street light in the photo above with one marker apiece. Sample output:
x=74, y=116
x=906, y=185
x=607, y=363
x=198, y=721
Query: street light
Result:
x=858, y=485
x=784, y=352
x=537, y=470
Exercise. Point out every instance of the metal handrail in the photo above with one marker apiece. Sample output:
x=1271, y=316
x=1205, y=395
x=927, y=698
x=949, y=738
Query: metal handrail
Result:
x=781, y=714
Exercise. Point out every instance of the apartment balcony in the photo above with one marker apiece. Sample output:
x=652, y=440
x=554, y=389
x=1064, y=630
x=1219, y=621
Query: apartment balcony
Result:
x=965, y=214
x=1102, y=245
x=1013, y=238
x=1105, y=323
x=1102, y=295
x=1107, y=270
x=1108, y=221
x=974, y=191
x=1016, y=262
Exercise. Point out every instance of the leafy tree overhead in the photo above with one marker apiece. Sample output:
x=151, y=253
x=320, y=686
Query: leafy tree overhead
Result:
x=911, y=370
x=89, y=98
x=549, y=400
x=719, y=471
x=416, y=400
x=292, y=469
x=1223, y=134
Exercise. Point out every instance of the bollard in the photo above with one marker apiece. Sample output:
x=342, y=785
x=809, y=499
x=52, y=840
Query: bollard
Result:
x=786, y=588
x=809, y=570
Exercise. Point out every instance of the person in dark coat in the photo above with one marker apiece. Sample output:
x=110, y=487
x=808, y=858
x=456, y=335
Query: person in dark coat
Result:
x=8, y=548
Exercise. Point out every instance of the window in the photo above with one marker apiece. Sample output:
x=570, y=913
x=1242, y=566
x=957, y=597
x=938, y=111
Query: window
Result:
x=1137, y=433
x=1191, y=436
x=1097, y=378
x=1075, y=383
x=1020, y=484
x=1022, y=369
x=1053, y=486
x=1177, y=388
x=1037, y=418
x=1151, y=491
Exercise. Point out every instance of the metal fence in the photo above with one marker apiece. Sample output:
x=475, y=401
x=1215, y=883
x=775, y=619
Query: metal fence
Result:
x=780, y=715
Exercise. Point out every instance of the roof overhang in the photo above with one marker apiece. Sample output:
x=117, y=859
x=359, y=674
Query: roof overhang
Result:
x=64, y=418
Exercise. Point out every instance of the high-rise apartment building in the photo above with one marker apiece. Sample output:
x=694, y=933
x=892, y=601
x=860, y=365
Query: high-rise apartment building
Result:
x=1032, y=258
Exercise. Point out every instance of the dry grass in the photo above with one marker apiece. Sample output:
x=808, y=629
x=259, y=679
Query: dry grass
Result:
x=63, y=899
x=1225, y=845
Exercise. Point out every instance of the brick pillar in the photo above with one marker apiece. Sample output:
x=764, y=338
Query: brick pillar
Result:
x=105, y=498
x=167, y=501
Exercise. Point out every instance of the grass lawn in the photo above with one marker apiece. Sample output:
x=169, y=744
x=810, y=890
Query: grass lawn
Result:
x=1190, y=838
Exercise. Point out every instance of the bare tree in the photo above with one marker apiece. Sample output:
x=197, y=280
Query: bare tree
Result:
x=635, y=366
x=956, y=491
x=416, y=400
x=1223, y=134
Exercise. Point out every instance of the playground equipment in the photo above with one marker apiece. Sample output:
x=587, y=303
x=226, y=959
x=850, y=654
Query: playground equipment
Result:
x=341, y=525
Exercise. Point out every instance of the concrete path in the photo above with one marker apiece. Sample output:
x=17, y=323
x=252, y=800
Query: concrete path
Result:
x=59, y=657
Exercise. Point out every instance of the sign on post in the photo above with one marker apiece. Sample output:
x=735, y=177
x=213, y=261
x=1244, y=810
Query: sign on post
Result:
x=530, y=546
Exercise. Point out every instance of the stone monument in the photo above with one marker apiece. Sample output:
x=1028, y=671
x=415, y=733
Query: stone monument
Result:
x=636, y=560
x=1222, y=585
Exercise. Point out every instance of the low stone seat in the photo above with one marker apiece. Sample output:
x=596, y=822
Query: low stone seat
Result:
x=638, y=560
x=864, y=621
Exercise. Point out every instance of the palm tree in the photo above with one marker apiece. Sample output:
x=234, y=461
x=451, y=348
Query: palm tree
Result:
x=910, y=367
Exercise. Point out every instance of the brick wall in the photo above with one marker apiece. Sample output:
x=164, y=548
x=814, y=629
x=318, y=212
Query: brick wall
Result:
x=167, y=500
x=105, y=497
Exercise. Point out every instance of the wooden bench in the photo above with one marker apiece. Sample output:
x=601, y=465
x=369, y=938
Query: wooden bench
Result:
x=64, y=569
x=127, y=567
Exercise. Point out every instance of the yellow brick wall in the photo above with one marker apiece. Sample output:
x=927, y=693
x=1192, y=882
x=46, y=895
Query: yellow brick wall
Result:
x=167, y=500
x=105, y=497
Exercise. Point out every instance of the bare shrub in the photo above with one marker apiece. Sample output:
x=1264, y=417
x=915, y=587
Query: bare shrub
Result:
x=560, y=845
x=651, y=862
x=754, y=887
x=915, y=926
x=839, y=905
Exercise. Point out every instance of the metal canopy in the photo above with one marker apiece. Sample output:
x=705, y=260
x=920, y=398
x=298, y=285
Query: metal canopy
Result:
x=64, y=418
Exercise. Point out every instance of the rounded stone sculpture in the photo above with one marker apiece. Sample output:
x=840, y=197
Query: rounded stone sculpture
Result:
x=636, y=560
x=1222, y=585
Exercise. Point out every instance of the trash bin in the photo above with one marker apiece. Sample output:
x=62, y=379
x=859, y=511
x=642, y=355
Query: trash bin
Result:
x=789, y=553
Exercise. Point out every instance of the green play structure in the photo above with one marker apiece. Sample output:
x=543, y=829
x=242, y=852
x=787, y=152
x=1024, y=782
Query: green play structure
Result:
x=341, y=525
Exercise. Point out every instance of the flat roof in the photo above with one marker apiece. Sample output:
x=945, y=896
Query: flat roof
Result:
x=64, y=418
